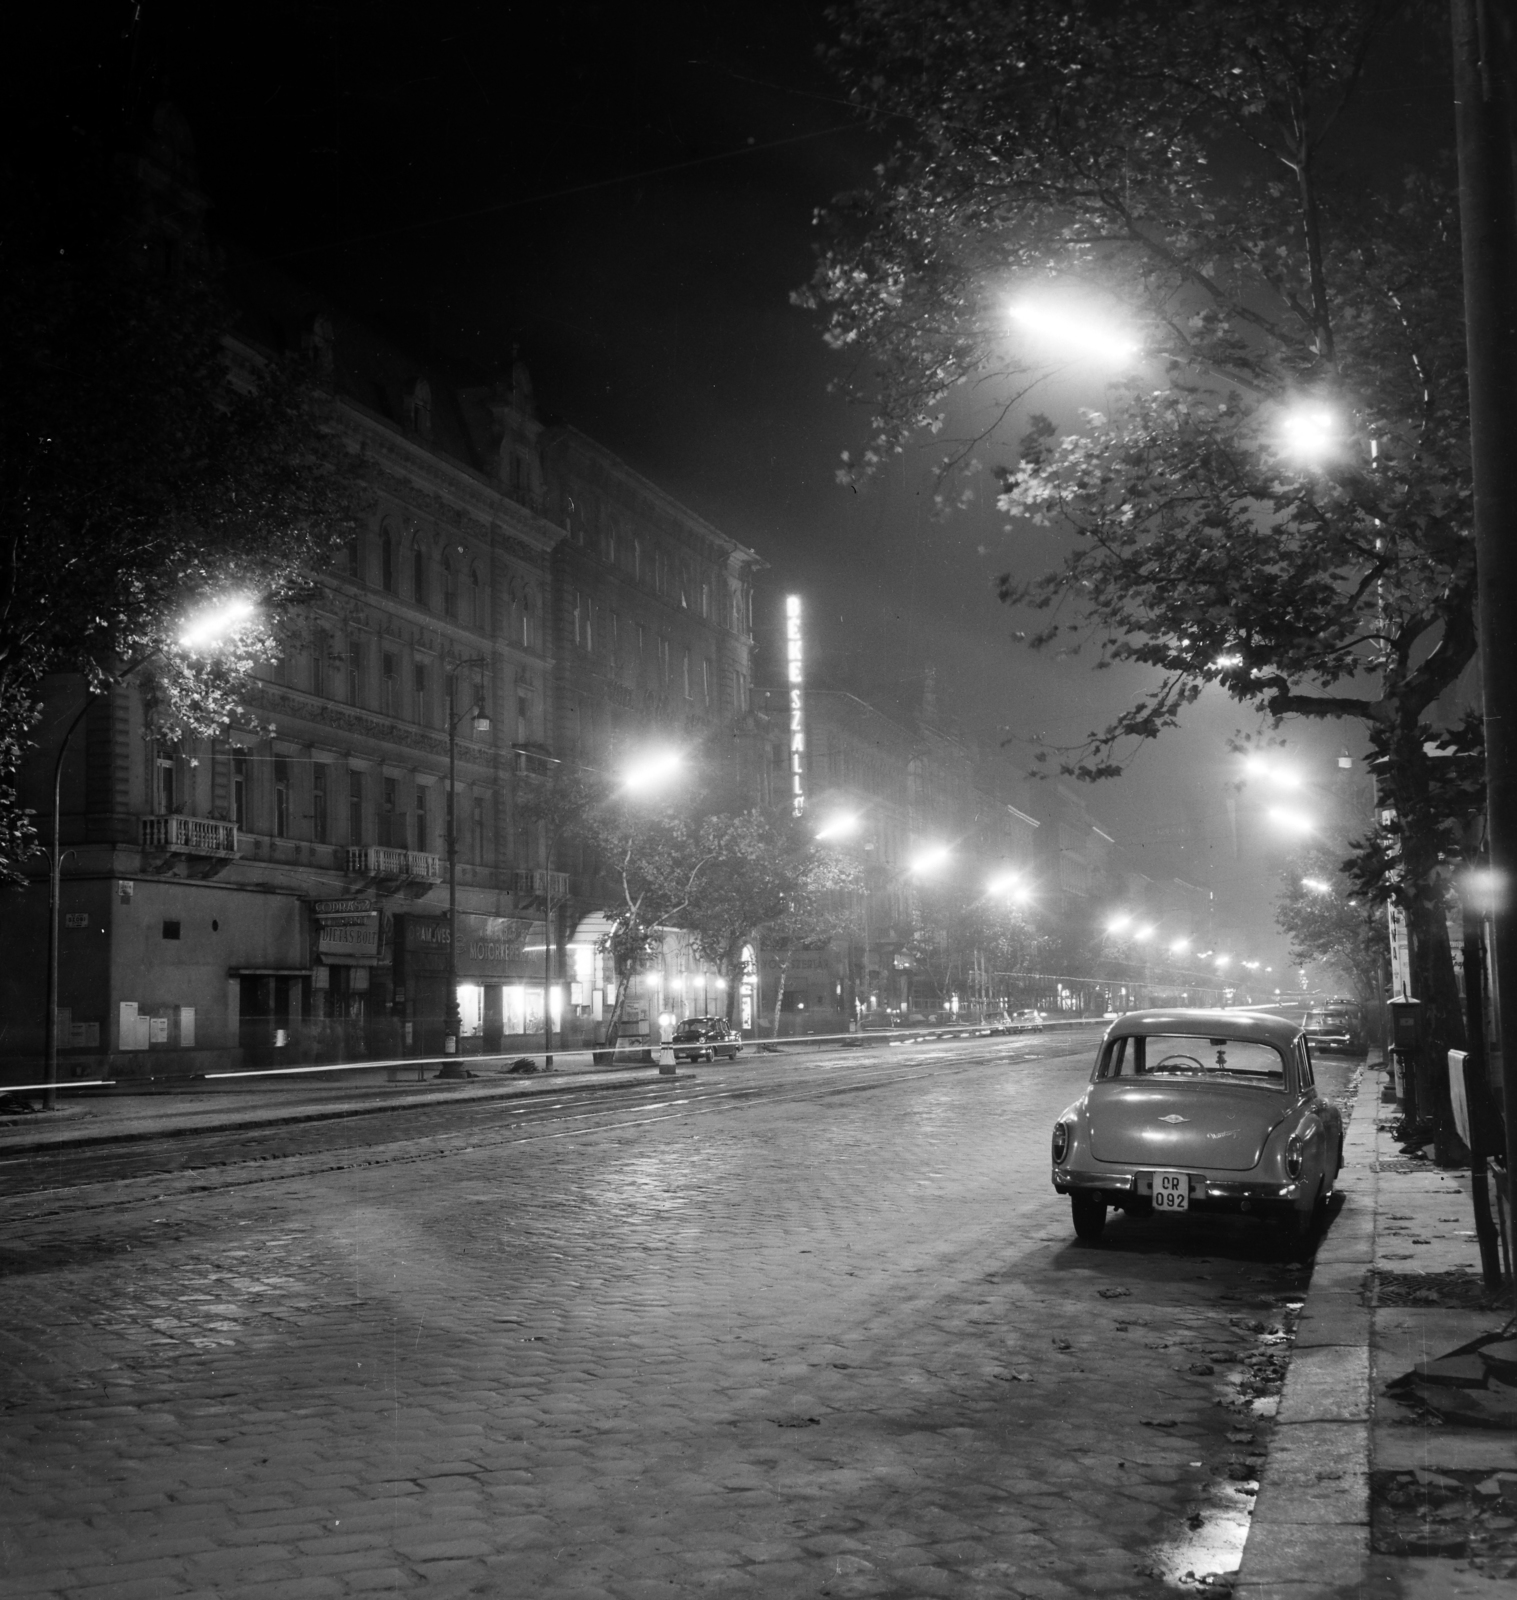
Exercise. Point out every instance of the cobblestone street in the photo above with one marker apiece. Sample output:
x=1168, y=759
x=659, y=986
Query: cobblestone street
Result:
x=799, y=1343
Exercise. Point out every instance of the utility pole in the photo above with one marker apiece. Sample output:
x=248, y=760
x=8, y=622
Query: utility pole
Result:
x=1484, y=106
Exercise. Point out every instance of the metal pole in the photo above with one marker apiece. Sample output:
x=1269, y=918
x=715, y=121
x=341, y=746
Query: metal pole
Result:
x=1484, y=97
x=54, y=894
x=453, y=1068
x=548, y=979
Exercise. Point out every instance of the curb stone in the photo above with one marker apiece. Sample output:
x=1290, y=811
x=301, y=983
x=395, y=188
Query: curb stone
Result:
x=1309, y=1535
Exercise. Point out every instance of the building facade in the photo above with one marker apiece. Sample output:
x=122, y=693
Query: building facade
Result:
x=280, y=895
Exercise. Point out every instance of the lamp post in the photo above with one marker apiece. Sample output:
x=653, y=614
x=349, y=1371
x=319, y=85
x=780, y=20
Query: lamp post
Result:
x=454, y=1068
x=54, y=891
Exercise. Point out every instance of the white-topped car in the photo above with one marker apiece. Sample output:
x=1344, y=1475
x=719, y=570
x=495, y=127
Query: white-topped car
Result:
x=1205, y=1111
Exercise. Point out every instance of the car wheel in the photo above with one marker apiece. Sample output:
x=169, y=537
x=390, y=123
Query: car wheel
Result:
x=1089, y=1216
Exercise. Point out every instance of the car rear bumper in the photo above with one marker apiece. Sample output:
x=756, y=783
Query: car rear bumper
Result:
x=1133, y=1190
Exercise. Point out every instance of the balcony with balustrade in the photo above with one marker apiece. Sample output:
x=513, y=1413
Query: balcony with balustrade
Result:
x=190, y=836
x=384, y=861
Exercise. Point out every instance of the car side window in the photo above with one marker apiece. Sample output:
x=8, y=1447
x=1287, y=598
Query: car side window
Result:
x=1304, y=1057
x=1113, y=1059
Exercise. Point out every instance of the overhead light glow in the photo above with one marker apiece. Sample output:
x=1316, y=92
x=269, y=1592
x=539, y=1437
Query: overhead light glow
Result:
x=1291, y=821
x=1066, y=328
x=209, y=626
x=930, y=858
x=840, y=826
x=652, y=770
x=1316, y=885
x=1309, y=432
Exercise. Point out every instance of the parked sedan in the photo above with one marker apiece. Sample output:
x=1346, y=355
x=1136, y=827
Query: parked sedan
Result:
x=1206, y=1111
x=704, y=1039
x=1336, y=1028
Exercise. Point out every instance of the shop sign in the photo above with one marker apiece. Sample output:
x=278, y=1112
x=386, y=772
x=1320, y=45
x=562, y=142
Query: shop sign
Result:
x=347, y=932
x=489, y=948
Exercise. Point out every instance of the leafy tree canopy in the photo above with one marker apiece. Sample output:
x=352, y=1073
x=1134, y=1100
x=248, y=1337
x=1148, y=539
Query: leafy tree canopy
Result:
x=1275, y=499
x=1327, y=922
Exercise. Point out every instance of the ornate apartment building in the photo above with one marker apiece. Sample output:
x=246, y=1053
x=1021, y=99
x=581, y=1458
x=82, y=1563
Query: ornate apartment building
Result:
x=280, y=894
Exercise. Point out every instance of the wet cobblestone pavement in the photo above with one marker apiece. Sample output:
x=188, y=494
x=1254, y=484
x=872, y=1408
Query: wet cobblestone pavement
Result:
x=789, y=1342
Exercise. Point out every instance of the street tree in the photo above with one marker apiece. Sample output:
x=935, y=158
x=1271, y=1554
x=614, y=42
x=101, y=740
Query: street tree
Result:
x=644, y=857
x=143, y=472
x=1328, y=923
x=1275, y=498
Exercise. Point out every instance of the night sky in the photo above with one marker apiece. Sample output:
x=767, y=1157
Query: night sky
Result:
x=625, y=193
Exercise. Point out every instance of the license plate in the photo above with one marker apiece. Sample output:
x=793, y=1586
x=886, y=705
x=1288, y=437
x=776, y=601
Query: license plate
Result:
x=1171, y=1191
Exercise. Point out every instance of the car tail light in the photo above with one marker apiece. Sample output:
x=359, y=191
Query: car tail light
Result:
x=1060, y=1140
x=1295, y=1151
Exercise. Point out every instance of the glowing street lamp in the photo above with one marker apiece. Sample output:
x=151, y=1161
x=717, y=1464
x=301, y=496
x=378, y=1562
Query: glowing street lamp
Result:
x=1316, y=886
x=1291, y=821
x=652, y=771
x=929, y=860
x=841, y=826
x=1143, y=934
x=1309, y=432
x=1179, y=947
x=207, y=629
x=1074, y=329
x=1119, y=923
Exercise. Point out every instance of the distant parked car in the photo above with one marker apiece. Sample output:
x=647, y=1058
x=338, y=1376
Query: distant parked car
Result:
x=705, y=1038
x=873, y=1020
x=1336, y=1028
x=1202, y=1111
x=1028, y=1021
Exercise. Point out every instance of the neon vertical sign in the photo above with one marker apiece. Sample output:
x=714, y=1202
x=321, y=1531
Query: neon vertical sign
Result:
x=796, y=679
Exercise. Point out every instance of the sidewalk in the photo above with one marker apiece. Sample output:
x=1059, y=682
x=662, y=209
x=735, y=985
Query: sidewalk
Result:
x=1369, y=1493
x=95, y=1116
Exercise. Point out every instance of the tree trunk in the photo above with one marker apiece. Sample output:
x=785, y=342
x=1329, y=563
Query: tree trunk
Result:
x=1432, y=961
x=782, y=972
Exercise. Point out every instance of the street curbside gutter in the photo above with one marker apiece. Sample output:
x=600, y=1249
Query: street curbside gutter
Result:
x=1309, y=1535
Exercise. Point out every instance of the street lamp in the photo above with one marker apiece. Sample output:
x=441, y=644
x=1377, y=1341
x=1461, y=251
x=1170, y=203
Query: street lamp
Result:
x=842, y=826
x=929, y=860
x=1291, y=821
x=652, y=771
x=481, y=721
x=1064, y=322
x=1309, y=432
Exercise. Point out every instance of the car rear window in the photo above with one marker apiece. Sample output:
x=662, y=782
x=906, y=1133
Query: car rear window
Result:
x=1183, y=1055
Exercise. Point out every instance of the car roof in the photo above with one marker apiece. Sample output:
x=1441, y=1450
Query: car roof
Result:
x=1261, y=1026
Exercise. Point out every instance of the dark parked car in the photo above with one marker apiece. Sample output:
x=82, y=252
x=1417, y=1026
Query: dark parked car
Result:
x=1336, y=1028
x=1199, y=1111
x=705, y=1038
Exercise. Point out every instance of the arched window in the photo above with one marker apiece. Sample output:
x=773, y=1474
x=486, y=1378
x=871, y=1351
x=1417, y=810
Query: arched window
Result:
x=449, y=588
x=387, y=558
x=419, y=574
